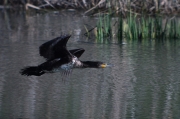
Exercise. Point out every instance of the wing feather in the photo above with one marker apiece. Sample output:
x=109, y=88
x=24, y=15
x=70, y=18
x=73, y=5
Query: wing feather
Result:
x=55, y=48
x=77, y=52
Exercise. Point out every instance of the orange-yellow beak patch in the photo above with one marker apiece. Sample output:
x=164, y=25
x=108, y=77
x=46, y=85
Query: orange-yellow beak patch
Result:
x=103, y=65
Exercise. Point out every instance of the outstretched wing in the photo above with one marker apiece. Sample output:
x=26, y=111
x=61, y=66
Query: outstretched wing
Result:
x=77, y=52
x=55, y=48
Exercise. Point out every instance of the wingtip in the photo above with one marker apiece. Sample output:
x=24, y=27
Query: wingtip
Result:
x=68, y=36
x=65, y=37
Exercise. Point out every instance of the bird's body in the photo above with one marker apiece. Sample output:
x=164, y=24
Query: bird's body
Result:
x=58, y=58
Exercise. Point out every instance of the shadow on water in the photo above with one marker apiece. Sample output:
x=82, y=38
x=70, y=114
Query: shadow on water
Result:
x=144, y=82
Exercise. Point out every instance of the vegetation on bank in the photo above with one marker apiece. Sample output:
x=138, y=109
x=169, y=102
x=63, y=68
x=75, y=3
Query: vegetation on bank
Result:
x=120, y=6
x=137, y=28
x=137, y=19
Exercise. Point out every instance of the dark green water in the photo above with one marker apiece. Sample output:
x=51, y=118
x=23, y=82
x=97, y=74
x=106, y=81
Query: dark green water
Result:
x=143, y=84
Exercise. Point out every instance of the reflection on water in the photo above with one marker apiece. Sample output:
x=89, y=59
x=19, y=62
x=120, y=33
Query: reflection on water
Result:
x=144, y=82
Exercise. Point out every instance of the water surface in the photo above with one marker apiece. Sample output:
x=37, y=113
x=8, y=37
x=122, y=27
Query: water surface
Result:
x=144, y=82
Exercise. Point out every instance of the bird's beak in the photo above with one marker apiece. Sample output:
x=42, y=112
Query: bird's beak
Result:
x=106, y=65
x=103, y=65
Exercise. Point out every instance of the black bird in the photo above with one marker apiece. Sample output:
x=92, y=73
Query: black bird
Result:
x=58, y=58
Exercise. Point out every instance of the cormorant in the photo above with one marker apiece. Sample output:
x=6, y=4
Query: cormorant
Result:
x=58, y=58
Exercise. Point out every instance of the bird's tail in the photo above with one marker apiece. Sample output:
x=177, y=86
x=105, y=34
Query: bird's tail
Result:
x=32, y=70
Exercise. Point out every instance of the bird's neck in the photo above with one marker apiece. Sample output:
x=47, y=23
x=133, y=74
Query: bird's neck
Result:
x=89, y=64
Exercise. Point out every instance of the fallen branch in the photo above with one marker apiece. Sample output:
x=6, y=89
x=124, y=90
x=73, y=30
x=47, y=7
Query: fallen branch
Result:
x=100, y=2
x=49, y=4
x=32, y=6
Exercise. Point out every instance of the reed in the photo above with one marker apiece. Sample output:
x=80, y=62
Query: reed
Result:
x=104, y=30
x=137, y=27
x=133, y=29
x=120, y=29
x=140, y=28
x=174, y=29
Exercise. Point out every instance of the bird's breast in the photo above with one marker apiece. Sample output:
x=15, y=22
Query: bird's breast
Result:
x=78, y=64
x=67, y=66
